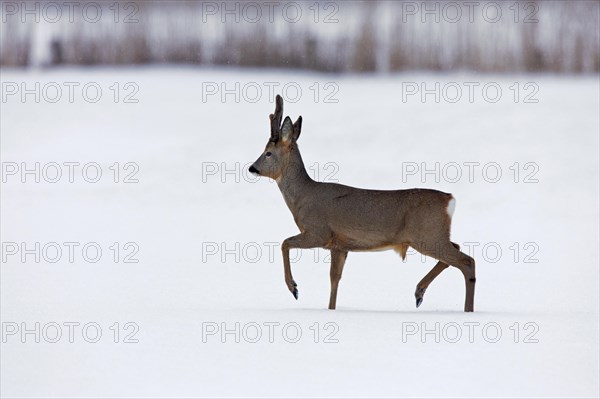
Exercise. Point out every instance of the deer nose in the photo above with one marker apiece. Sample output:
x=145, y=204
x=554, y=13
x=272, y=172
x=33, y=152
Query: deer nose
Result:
x=252, y=169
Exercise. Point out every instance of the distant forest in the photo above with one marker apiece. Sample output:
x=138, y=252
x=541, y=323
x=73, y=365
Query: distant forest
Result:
x=374, y=36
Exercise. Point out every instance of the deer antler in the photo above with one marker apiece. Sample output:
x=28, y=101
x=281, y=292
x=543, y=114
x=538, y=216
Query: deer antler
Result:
x=276, y=119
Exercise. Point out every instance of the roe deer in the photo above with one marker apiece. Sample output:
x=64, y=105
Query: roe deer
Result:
x=342, y=218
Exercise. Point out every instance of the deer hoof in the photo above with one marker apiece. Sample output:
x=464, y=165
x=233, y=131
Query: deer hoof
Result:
x=295, y=293
x=419, y=296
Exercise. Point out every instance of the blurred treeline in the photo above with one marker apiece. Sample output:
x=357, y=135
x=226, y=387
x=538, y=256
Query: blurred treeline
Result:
x=382, y=36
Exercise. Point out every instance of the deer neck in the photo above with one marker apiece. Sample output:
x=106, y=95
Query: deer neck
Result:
x=294, y=180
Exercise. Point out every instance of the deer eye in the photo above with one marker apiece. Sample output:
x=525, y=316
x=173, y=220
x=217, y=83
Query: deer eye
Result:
x=268, y=153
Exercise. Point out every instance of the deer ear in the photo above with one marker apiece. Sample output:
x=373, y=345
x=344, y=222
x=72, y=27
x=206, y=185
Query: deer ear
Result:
x=297, y=128
x=287, y=130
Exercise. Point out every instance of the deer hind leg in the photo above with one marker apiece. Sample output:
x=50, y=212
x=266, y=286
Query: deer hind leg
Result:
x=448, y=254
x=338, y=259
x=299, y=241
x=429, y=277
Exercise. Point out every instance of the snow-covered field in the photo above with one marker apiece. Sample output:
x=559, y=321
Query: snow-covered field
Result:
x=206, y=237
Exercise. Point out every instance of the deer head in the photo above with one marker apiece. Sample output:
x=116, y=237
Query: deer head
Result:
x=281, y=147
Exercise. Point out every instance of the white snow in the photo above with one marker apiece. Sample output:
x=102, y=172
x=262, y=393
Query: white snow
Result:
x=208, y=234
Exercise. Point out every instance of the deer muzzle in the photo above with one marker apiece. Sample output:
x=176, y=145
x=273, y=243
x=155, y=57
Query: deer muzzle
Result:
x=252, y=169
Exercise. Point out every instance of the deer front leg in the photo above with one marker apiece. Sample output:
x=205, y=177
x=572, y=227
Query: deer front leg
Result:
x=338, y=258
x=300, y=241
